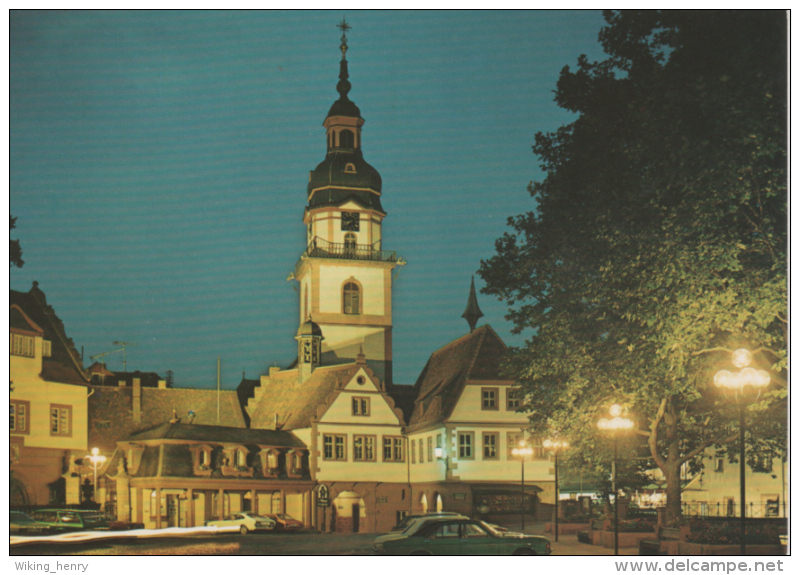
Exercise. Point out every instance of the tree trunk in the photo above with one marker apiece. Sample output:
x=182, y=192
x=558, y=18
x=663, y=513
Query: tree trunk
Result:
x=672, y=466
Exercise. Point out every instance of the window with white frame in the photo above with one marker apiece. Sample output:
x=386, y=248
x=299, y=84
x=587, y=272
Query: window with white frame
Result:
x=60, y=420
x=466, y=440
x=19, y=416
x=490, y=441
x=22, y=345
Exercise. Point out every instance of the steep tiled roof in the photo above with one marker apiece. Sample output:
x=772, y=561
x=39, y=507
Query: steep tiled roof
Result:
x=65, y=364
x=475, y=356
x=111, y=411
x=218, y=434
x=295, y=402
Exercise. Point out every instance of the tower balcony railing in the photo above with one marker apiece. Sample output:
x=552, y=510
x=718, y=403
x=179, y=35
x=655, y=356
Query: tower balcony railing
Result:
x=319, y=248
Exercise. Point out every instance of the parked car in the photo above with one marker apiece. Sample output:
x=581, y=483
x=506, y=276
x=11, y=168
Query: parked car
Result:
x=71, y=519
x=23, y=524
x=465, y=537
x=118, y=525
x=406, y=521
x=246, y=522
x=414, y=525
x=285, y=522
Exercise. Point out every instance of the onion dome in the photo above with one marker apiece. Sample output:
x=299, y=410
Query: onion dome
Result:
x=344, y=175
x=309, y=328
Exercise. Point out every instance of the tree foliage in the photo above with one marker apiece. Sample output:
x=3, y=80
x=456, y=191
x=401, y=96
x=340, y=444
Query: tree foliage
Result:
x=658, y=240
x=15, y=258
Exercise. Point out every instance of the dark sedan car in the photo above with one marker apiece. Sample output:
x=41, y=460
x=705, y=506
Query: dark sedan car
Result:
x=466, y=537
x=20, y=523
x=71, y=519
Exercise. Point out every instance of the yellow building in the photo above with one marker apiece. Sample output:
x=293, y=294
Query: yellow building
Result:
x=48, y=426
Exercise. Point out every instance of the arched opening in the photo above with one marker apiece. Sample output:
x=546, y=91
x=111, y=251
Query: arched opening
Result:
x=351, y=298
x=347, y=139
x=438, y=503
x=350, y=512
x=423, y=501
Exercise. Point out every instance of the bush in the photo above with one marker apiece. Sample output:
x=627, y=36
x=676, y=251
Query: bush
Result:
x=634, y=526
x=727, y=534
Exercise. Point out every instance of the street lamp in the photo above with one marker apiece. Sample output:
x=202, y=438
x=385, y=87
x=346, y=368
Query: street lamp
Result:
x=736, y=383
x=615, y=425
x=521, y=451
x=440, y=454
x=554, y=446
x=97, y=460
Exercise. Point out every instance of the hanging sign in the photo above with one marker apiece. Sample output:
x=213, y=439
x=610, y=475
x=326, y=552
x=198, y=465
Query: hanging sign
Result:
x=322, y=496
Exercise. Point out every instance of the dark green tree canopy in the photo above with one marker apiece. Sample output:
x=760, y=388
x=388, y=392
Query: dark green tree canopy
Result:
x=15, y=258
x=659, y=235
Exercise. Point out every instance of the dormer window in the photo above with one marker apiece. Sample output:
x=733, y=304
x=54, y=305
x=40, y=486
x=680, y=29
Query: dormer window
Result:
x=350, y=169
x=47, y=348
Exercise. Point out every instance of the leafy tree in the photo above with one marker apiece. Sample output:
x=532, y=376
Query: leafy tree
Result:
x=16, y=250
x=658, y=240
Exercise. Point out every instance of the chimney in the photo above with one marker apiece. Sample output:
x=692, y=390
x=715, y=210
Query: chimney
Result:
x=137, y=400
x=162, y=384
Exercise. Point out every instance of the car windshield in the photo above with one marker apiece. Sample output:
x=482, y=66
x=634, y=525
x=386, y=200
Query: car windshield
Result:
x=489, y=528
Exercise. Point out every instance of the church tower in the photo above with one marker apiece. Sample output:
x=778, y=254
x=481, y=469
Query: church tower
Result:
x=345, y=275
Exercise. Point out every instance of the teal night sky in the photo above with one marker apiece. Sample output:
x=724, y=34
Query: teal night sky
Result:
x=159, y=162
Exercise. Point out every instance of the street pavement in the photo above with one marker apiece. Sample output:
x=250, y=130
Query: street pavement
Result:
x=296, y=544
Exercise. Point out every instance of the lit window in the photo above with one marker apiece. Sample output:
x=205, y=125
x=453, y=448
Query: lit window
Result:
x=334, y=447
x=22, y=345
x=489, y=398
x=393, y=449
x=364, y=448
x=513, y=441
x=60, y=416
x=361, y=406
x=19, y=417
x=490, y=446
x=465, y=441
x=430, y=449
x=352, y=297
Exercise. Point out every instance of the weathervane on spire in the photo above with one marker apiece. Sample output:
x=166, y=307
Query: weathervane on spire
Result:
x=344, y=27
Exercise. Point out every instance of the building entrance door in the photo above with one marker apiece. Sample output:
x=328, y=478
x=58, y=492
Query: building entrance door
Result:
x=356, y=517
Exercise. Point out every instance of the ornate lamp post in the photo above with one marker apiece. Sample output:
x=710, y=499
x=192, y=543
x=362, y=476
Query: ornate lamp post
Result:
x=97, y=461
x=735, y=383
x=521, y=451
x=615, y=425
x=554, y=446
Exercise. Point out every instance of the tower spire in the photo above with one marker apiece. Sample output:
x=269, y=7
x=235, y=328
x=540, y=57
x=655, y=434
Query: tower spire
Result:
x=343, y=87
x=473, y=313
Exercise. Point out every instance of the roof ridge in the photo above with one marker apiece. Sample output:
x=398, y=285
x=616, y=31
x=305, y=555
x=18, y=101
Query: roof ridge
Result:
x=459, y=340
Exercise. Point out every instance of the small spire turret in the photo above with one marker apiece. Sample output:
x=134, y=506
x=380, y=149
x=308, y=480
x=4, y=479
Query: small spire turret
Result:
x=473, y=312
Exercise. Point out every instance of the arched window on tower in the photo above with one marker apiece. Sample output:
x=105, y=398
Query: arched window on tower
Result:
x=347, y=139
x=351, y=298
x=350, y=244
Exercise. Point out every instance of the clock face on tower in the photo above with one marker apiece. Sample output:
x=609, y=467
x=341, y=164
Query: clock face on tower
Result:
x=350, y=221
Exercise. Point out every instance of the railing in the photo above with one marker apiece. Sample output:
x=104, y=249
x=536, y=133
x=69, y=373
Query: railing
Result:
x=732, y=509
x=319, y=248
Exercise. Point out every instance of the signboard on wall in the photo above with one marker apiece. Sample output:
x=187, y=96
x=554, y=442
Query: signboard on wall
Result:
x=323, y=499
